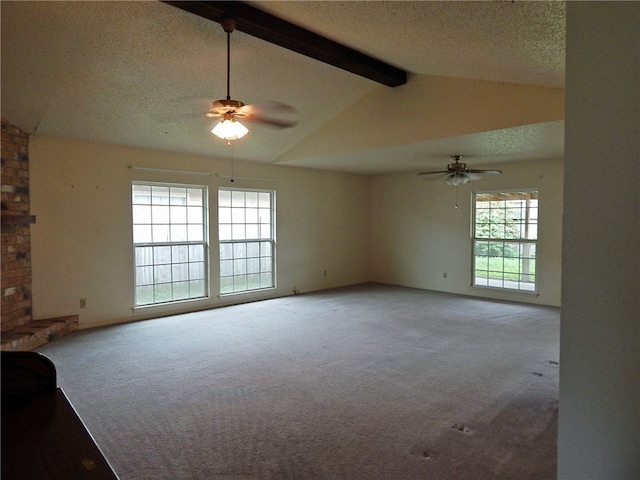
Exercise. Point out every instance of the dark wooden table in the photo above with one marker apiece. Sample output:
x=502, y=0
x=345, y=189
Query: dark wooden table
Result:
x=47, y=440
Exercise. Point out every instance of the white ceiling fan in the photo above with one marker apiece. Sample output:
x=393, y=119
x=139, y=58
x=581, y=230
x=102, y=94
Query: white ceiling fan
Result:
x=458, y=174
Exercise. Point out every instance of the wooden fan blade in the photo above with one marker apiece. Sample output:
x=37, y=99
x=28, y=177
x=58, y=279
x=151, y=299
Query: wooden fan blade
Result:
x=486, y=172
x=268, y=107
x=432, y=173
x=183, y=108
x=272, y=122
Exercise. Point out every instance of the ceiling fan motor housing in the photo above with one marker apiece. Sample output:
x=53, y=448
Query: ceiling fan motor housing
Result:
x=457, y=167
x=220, y=107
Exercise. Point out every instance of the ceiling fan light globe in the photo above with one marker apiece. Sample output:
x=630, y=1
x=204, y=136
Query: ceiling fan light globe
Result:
x=230, y=130
x=457, y=179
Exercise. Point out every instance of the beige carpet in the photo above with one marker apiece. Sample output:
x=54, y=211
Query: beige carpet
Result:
x=367, y=382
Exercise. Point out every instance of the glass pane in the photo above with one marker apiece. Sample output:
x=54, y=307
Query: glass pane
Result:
x=226, y=285
x=142, y=234
x=265, y=230
x=163, y=293
x=178, y=196
x=252, y=231
x=252, y=215
x=265, y=264
x=197, y=288
x=253, y=282
x=160, y=233
x=253, y=265
x=144, y=256
x=144, y=295
x=529, y=250
x=141, y=214
x=195, y=233
x=160, y=195
x=180, y=290
x=237, y=199
x=194, y=215
x=179, y=233
x=266, y=280
x=264, y=215
x=162, y=274
x=240, y=266
x=161, y=255
x=253, y=249
x=180, y=272
x=240, y=283
x=252, y=199
x=196, y=253
x=144, y=275
x=226, y=251
x=224, y=232
x=178, y=214
x=264, y=200
x=196, y=270
x=239, y=250
x=180, y=253
x=226, y=268
x=141, y=194
x=224, y=215
x=224, y=198
x=237, y=215
x=238, y=232
x=194, y=196
x=160, y=214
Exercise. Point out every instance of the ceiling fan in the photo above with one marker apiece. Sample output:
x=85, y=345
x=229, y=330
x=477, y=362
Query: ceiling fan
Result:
x=458, y=174
x=230, y=111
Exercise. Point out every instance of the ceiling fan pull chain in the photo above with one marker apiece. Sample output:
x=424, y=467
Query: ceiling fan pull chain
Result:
x=232, y=159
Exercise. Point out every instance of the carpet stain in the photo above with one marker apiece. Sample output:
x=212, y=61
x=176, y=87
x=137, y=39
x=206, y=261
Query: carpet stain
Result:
x=423, y=452
x=462, y=428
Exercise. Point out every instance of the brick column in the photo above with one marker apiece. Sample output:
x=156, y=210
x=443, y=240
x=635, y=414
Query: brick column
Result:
x=16, y=236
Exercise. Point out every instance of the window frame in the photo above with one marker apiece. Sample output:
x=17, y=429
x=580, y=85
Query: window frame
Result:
x=525, y=282
x=259, y=239
x=204, y=243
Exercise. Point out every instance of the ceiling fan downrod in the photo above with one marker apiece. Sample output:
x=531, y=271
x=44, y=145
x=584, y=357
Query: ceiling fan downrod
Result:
x=228, y=25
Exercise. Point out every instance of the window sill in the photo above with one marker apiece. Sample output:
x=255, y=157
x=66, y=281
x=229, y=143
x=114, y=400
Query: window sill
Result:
x=511, y=291
x=245, y=292
x=170, y=305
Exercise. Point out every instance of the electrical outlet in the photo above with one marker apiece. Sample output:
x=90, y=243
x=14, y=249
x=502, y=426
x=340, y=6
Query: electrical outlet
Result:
x=444, y=274
x=83, y=303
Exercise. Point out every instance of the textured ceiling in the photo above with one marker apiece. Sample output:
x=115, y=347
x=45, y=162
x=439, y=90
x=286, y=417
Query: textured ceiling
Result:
x=141, y=74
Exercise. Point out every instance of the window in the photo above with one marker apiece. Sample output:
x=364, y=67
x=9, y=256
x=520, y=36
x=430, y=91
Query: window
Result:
x=247, y=240
x=169, y=242
x=505, y=230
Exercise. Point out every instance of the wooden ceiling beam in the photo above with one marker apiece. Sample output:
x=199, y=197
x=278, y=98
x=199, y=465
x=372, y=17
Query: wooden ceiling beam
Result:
x=265, y=26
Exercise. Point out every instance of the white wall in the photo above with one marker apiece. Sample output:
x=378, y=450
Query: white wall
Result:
x=599, y=423
x=82, y=242
x=418, y=234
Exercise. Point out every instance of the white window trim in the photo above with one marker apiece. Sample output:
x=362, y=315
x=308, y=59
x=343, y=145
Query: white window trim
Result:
x=271, y=240
x=205, y=243
x=519, y=291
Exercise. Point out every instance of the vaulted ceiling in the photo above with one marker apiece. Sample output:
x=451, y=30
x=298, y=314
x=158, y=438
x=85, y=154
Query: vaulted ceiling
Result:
x=484, y=79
